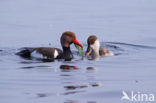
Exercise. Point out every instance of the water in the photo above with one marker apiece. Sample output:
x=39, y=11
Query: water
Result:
x=126, y=27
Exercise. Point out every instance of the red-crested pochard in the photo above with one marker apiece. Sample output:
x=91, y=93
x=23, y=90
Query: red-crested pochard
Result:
x=67, y=39
x=94, y=49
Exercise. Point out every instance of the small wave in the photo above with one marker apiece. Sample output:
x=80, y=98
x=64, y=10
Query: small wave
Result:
x=6, y=51
x=120, y=48
x=132, y=45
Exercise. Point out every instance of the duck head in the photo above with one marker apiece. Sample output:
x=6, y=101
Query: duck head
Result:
x=93, y=46
x=67, y=39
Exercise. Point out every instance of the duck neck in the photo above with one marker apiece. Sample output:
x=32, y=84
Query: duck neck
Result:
x=67, y=54
x=96, y=48
x=95, y=53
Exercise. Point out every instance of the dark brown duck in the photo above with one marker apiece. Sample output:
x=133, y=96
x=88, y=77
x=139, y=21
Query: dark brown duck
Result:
x=66, y=39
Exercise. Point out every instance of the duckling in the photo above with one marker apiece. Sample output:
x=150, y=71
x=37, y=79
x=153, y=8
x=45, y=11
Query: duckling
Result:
x=94, y=49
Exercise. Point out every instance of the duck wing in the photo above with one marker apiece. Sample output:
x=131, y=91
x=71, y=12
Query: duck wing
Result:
x=25, y=52
x=49, y=53
x=105, y=52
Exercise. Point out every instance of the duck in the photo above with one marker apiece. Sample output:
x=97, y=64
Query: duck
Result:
x=66, y=40
x=94, y=50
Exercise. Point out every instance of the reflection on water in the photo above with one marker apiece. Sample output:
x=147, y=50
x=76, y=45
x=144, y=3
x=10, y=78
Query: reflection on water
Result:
x=76, y=101
x=91, y=102
x=91, y=69
x=68, y=68
x=46, y=60
x=96, y=84
x=35, y=60
x=40, y=22
x=39, y=60
x=75, y=87
x=41, y=95
x=72, y=80
x=68, y=79
x=31, y=67
x=71, y=101
x=28, y=62
x=73, y=92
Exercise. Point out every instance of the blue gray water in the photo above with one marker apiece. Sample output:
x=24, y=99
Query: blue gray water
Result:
x=125, y=26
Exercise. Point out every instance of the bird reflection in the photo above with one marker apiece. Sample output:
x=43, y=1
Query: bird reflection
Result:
x=75, y=87
x=96, y=84
x=73, y=83
x=71, y=101
x=32, y=67
x=91, y=76
x=73, y=92
x=91, y=69
x=68, y=67
x=76, y=101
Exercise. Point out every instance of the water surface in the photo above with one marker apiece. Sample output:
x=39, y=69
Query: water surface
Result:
x=125, y=27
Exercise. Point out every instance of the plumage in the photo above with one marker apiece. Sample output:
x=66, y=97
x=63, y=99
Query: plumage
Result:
x=66, y=39
x=95, y=50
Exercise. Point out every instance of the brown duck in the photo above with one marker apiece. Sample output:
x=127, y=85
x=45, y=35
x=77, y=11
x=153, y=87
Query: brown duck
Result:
x=94, y=49
x=66, y=39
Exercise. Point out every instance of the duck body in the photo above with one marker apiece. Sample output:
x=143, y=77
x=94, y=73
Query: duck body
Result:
x=41, y=52
x=105, y=52
x=95, y=50
x=66, y=39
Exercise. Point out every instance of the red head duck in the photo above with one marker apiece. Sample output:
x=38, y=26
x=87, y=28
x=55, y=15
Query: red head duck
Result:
x=66, y=39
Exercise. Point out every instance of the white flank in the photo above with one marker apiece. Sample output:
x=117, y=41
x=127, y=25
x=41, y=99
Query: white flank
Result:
x=55, y=53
